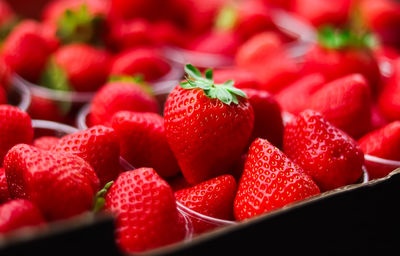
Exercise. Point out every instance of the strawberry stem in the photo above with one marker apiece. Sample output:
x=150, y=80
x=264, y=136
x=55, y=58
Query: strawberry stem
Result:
x=225, y=92
x=99, y=199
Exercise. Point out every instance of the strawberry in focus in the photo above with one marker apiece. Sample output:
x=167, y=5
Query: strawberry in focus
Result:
x=145, y=210
x=270, y=181
x=330, y=156
x=207, y=125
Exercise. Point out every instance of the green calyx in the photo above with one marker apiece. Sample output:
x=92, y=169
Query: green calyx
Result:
x=227, y=18
x=335, y=38
x=224, y=92
x=79, y=26
x=99, y=200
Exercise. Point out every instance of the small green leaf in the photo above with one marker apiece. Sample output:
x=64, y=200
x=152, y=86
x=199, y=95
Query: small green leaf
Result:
x=186, y=85
x=235, y=99
x=209, y=75
x=229, y=83
x=99, y=200
x=237, y=91
x=223, y=95
x=193, y=72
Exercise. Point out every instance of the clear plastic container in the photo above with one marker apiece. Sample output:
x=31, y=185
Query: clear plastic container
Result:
x=378, y=167
x=19, y=95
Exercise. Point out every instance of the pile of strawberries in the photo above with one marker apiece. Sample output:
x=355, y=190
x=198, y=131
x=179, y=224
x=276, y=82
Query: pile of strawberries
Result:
x=275, y=127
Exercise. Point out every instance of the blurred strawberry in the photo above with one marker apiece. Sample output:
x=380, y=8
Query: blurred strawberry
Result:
x=15, y=127
x=145, y=210
x=346, y=103
x=117, y=96
x=383, y=17
x=46, y=109
x=3, y=95
x=265, y=56
x=177, y=182
x=217, y=42
x=8, y=19
x=268, y=122
x=294, y=97
x=18, y=214
x=143, y=141
x=243, y=78
x=389, y=100
x=128, y=9
x=168, y=33
x=5, y=74
x=61, y=185
x=342, y=52
x=323, y=12
x=146, y=62
x=26, y=50
x=77, y=67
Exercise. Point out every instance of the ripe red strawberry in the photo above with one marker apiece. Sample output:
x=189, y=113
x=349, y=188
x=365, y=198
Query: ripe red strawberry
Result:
x=383, y=142
x=265, y=56
x=268, y=123
x=389, y=101
x=168, y=33
x=61, y=185
x=331, y=157
x=212, y=198
x=322, y=12
x=117, y=96
x=5, y=74
x=45, y=109
x=26, y=51
x=46, y=142
x=99, y=146
x=346, y=103
x=294, y=98
x=145, y=210
x=216, y=42
x=143, y=141
x=335, y=58
x=3, y=95
x=270, y=180
x=207, y=125
x=383, y=17
x=76, y=21
x=4, y=194
x=15, y=127
x=146, y=62
x=78, y=67
x=129, y=9
x=18, y=214
x=128, y=34
x=242, y=78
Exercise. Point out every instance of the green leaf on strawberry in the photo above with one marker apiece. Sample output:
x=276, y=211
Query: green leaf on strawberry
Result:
x=79, y=26
x=225, y=92
x=99, y=200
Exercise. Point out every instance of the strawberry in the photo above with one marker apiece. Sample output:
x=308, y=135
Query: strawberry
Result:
x=383, y=142
x=216, y=42
x=98, y=146
x=45, y=142
x=78, y=67
x=212, y=198
x=177, y=182
x=331, y=157
x=383, y=17
x=46, y=109
x=340, y=52
x=128, y=9
x=146, y=62
x=128, y=34
x=389, y=101
x=265, y=56
x=8, y=19
x=5, y=74
x=242, y=78
x=207, y=125
x=26, y=50
x=15, y=127
x=294, y=98
x=61, y=185
x=76, y=21
x=167, y=33
x=4, y=194
x=322, y=12
x=118, y=96
x=145, y=210
x=268, y=123
x=346, y=103
x=18, y=214
x=3, y=95
x=143, y=141
x=270, y=181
